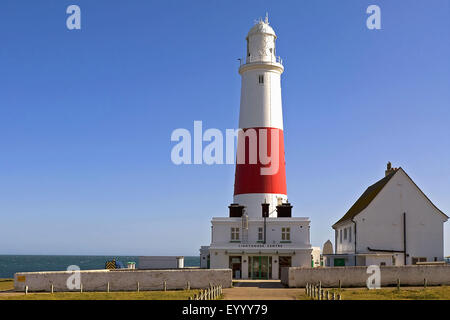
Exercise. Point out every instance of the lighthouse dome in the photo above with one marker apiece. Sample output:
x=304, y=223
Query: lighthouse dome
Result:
x=261, y=27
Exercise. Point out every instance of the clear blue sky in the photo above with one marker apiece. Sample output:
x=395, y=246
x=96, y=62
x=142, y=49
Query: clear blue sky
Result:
x=86, y=116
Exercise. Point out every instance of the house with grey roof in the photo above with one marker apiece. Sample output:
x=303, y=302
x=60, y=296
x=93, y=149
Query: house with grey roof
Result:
x=393, y=223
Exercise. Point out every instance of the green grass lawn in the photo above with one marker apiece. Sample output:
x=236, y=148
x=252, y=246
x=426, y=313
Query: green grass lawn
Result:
x=406, y=293
x=8, y=284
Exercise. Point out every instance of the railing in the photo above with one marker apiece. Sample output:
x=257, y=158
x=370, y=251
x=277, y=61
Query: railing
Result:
x=212, y=293
x=316, y=292
x=273, y=59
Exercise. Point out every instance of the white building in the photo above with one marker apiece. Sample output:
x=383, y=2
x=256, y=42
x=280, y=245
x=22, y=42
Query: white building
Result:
x=260, y=236
x=316, y=257
x=392, y=223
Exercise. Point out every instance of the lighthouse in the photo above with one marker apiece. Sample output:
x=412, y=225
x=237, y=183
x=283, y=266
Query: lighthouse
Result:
x=261, y=119
x=259, y=236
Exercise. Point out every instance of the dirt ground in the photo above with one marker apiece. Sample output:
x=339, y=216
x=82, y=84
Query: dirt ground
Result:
x=260, y=290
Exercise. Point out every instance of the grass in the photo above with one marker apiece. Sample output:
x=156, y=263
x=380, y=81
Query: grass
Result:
x=8, y=284
x=406, y=293
x=146, y=295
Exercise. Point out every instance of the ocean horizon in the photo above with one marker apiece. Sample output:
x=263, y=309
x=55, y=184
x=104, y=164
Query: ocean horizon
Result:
x=11, y=264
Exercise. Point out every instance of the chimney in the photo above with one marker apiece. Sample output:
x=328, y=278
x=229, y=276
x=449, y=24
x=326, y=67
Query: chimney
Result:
x=236, y=210
x=265, y=209
x=389, y=169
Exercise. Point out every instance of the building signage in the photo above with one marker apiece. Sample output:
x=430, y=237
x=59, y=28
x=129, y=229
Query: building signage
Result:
x=260, y=245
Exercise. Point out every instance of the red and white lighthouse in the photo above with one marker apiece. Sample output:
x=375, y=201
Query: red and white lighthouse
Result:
x=261, y=113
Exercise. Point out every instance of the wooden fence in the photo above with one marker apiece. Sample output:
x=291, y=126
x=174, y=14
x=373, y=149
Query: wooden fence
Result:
x=316, y=292
x=212, y=293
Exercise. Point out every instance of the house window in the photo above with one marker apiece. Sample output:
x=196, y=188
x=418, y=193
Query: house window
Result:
x=345, y=234
x=286, y=234
x=260, y=234
x=234, y=234
x=350, y=234
x=340, y=236
x=261, y=79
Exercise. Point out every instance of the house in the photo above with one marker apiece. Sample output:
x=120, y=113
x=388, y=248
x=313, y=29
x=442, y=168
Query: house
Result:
x=392, y=223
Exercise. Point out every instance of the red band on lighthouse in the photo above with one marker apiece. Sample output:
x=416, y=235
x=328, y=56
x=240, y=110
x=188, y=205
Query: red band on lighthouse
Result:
x=261, y=176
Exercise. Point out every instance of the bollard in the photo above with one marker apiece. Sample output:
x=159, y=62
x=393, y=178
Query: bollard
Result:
x=107, y=287
x=188, y=285
x=328, y=295
x=51, y=288
x=339, y=284
x=320, y=285
x=398, y=284
x=165, y=286
x=334, y=295
x=425, y=283
x=138, y=289
x=81, y=288
x=26, y=289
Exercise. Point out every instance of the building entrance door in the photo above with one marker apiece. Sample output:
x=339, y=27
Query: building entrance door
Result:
x=260, y=267
x=235, y=266
x=284, y=262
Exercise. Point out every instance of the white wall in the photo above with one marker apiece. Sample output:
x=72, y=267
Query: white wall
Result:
x=124, y=280
x=380, y=225
x=357, y=276
x=299, y=232
x=347, y=245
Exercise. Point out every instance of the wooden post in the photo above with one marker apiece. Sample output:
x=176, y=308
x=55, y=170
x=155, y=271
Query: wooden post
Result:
x=339, y=296
x=398, y=284
x=425, y=283
x=339, y=284
x=328, y=295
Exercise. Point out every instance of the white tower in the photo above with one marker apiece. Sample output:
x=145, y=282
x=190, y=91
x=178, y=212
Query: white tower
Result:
x=261, y=109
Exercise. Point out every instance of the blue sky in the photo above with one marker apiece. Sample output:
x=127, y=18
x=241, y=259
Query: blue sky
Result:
x=86, y=116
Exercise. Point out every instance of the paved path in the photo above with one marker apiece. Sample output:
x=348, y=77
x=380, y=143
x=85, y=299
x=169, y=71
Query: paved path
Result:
x=260, y=290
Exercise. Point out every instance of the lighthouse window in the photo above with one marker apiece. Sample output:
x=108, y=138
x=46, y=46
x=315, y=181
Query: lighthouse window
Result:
x=234, y=234
x=285, y=234
x=260, y=234
x=261, y=79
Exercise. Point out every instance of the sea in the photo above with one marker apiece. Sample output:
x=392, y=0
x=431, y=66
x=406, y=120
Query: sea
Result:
x=10, y=264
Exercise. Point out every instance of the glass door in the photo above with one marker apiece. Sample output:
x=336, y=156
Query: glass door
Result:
x=260, y=267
